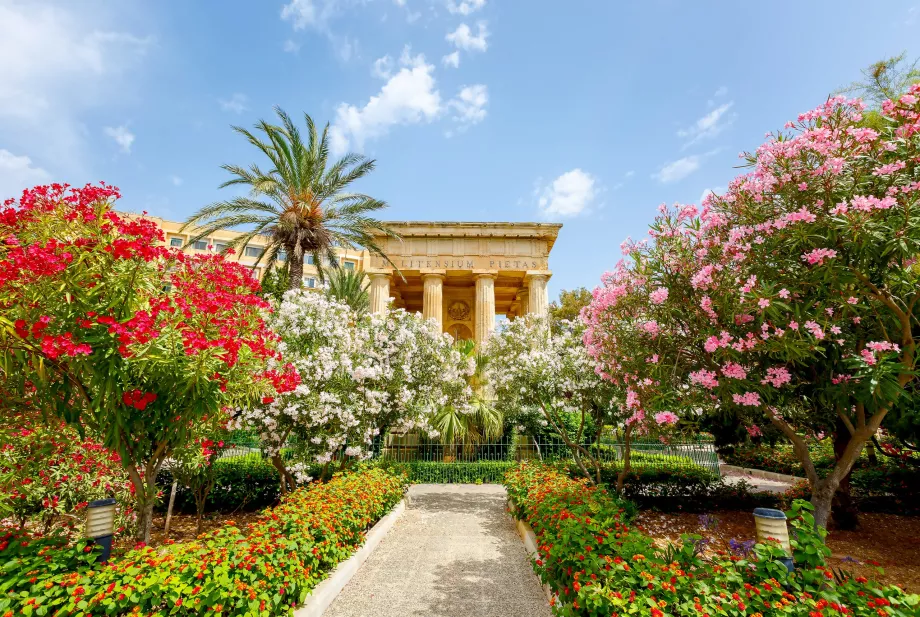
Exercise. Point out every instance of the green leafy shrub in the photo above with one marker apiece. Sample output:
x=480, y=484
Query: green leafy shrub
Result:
x=244, y=483
x=437, y=472
x=891, y=485
x=266, y=569
x=597, y=565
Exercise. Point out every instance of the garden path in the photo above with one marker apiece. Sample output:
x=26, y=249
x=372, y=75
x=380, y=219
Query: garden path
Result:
x=454, y=553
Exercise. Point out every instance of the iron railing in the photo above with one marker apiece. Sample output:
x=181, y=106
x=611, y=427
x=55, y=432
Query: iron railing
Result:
x=646, y=452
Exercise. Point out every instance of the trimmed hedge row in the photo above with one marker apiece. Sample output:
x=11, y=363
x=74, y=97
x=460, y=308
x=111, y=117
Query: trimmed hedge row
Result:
x=244, y=483
x=437, y=472
x=889, y=486
x=268, y=568
x=599, y=566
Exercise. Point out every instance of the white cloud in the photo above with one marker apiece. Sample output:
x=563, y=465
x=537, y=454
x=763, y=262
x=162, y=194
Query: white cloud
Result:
x=18, y=173
x=176, y=180
x=463, y=37
x=452, y=59
x=345, y=47
x=301, y=13
x=629, y=174
x=912, y=14
x=465, y=7
x=569, y=195
x=399, y=2
x=409, y=96
x=58, y=64
x=722, y=91
x=235, y=104
x=709, y=125
x=382, y=67
x=292, y=47
x=678, y=170
x=716, y=190
x=470, y=105
x=122, y=136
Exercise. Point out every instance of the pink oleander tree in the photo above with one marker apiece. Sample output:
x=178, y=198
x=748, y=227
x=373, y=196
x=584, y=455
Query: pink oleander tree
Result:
x=791, y=298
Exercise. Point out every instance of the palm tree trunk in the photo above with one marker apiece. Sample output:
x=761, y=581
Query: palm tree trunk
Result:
x=295, y=266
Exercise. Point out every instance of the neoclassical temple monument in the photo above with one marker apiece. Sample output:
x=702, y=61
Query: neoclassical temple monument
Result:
x=462, y=274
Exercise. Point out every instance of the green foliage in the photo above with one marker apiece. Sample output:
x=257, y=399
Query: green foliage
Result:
x=437, y=472
x=275, y=282
x=349, y=287
x=568, y=307
x=266, y=569
x=243, y=483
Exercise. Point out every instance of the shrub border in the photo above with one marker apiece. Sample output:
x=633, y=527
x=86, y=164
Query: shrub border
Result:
x=324, y=594
x=760, y=473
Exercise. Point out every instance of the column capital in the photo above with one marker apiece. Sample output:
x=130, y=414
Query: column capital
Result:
x=376, y=276
x=537, y=276
x=432, y=275
x=485, y=274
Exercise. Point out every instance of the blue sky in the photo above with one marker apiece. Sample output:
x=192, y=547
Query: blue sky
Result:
x=589, y=113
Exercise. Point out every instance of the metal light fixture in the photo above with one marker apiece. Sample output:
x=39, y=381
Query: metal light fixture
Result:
x=771, y=524
x=100, y=525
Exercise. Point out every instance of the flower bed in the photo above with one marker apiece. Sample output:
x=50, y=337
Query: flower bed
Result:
x=266, y=569
x=598, y=565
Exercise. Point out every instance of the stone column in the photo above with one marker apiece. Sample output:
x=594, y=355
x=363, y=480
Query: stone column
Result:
x=537, y=301
x=379, y=292
x=485, y=307
x=521, y=297
x=432, y=300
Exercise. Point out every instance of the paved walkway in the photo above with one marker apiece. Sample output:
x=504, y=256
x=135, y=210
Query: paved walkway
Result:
x=757, y=485
x=454, y=553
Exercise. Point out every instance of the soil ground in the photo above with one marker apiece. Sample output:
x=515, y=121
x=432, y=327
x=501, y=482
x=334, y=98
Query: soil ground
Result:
x=889, y=540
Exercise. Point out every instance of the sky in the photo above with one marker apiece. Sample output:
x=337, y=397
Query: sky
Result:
x=589, y=113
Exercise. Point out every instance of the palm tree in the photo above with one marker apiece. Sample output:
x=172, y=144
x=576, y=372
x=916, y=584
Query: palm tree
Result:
x=300, y=202
x=482, y=422
x=350, y=287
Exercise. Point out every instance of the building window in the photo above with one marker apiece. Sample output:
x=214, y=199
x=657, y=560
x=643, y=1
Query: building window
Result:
x=201, y=245
x=282, y=255
x=310, y=259
x=220, y=248
x=349, y=265
x=175, y=242
x=256, y=272
x=311, y=283
x=253, y=251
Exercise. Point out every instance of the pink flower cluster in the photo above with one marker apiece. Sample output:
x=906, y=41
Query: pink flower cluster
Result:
x=704, y=378
x=659, y=295
x=817, y=256
x=750, y=399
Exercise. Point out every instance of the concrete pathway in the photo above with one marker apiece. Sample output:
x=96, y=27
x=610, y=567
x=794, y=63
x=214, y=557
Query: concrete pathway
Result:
x=454, y=553
x=758, y=485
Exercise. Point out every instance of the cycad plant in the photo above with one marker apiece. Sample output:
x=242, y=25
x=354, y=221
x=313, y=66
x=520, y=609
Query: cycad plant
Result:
x=350, y=287
x=483, y=422
x=301, y=201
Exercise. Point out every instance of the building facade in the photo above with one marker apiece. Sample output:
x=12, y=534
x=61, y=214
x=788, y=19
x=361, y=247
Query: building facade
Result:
x=461, y=274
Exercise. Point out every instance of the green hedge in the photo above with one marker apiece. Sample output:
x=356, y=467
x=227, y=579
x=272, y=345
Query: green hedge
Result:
x=889, y=486
x=437, y=472
x=244, y=483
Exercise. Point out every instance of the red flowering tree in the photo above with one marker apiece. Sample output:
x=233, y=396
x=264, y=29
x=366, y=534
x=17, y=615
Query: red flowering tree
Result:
x=106, y=329
x=791, y=298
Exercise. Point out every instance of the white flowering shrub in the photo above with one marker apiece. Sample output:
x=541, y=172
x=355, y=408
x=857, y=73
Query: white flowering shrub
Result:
x=538, y=380
x=360, y=376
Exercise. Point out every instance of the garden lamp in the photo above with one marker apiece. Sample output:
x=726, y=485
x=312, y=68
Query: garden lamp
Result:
x=100, y=525
x=771, y=523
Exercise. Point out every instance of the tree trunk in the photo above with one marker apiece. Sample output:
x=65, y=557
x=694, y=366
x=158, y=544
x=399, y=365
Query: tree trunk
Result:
x=621, y=477
x=295, y=266
x=846, y=516
x=145, y=493
x=169, y=508
x=285, y=477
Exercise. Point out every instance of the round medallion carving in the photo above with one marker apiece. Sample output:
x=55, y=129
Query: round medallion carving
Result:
x=459, y=310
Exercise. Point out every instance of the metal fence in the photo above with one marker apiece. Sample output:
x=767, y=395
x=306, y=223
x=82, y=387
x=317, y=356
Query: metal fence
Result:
x=646, y=453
